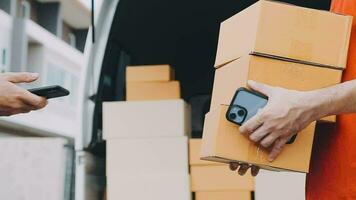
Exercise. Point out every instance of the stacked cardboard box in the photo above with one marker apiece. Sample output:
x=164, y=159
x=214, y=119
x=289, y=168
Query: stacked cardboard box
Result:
x=151, y=82
x=280, y=45
x=146, y=141
x=215, y=181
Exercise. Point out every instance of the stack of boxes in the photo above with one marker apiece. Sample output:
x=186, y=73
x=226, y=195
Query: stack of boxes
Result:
x=147, y=143
x=151, y=83
x=215, y=181
x=280, y=45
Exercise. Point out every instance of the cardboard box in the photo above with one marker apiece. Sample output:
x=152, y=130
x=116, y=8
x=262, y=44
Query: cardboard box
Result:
x=194, y=154
x=224, y=195
x=272, y=72
x=150, y=187
x=147, y=156
x=149, y=73
x=152, y=90
x=219, y=178
x=146, y=119
x=277, y=29
x=222, y=142
x=279, y=190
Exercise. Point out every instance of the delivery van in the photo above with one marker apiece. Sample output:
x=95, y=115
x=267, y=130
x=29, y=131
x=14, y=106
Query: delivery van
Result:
x=183, y=34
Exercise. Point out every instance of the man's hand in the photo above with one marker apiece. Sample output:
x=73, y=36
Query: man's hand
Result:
x=242, y=168
x=286, y=114
x=14, y=99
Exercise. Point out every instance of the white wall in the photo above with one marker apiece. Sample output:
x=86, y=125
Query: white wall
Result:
x=5, y=40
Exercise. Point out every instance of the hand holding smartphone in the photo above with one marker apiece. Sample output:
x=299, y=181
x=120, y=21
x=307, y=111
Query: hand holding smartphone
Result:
x=244, y=105
x=50, y=92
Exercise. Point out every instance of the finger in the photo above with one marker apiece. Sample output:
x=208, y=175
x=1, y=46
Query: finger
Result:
x=234, y=166
x=254, y=170
x=277, y=148
x=270, y=139
x=259, y=133
x=22, y=77
x=35, y=101
x=260, y=87
x=243, y=169
x=252, y=124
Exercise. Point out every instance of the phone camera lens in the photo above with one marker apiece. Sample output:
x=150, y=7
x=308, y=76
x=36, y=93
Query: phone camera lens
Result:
x=232, y=116
x=241, y=113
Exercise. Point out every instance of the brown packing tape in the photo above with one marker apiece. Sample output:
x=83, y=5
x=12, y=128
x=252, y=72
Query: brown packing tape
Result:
x=312, y=64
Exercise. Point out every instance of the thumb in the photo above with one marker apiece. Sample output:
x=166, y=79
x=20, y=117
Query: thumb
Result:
x=23, y=77
x=260, y=87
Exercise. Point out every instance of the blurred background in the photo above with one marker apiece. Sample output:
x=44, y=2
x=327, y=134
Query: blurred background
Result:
x=59, y=152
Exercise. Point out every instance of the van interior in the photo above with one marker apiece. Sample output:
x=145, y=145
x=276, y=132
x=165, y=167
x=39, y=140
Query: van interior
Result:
x=181, y=33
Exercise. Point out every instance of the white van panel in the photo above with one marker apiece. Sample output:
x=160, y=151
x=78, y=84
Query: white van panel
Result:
x=94, y=55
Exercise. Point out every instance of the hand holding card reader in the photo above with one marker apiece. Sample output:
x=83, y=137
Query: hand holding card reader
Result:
x=244, y=105
x=50, y=92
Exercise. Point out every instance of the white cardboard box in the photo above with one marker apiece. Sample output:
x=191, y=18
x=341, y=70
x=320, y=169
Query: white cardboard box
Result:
x=147, y=156
x=146, y=119
x=149, y=187
x=280, y=185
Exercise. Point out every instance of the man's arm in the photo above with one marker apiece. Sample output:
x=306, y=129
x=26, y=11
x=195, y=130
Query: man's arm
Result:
x=335, y=100
x=288, y=112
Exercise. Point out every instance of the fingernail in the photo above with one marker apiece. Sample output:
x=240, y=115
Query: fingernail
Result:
x=270, y=159
x=234, y=166
x=242, y=131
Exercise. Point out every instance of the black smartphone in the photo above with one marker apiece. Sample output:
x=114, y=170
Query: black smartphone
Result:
x=50, y=92
x=244, y=105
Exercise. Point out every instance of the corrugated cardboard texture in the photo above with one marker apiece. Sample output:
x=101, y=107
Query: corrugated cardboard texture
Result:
x=219, y=178
x=222, y=141
x=150, y=187
x=272, y=72
x=194, y=154
x=224, y=195
x=147, y=156
x=287, y=31
x=146, y=119
x=152, y=90
x=149, y=73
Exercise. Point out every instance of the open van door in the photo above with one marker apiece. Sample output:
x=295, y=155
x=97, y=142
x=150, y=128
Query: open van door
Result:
x=94, y=55
x=90, y=177
x=182, y=33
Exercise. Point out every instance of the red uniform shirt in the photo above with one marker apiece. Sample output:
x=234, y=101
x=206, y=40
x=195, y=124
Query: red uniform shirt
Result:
x=333, y=166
